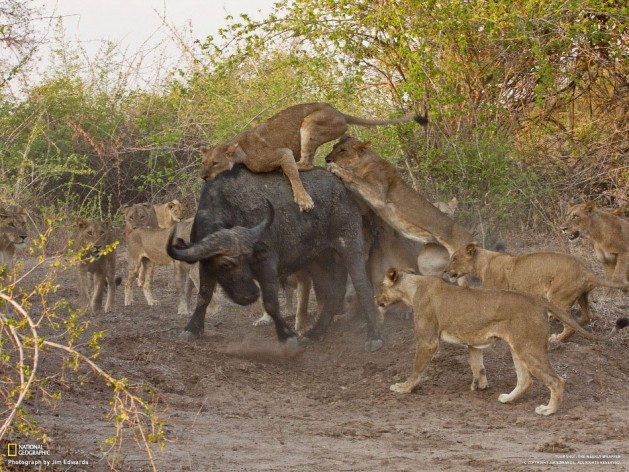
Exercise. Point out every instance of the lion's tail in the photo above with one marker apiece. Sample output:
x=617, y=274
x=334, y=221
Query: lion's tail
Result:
x=565, y=317
x=353, y=120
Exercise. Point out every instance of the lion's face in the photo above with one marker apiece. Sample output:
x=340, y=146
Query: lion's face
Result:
x=177, y=210
x=216, y=160
x=576, y=220
x=94, y=237
x=389, y=292
x=13, y=228
x=138, y=215
x=347, y=152
x=462, y=262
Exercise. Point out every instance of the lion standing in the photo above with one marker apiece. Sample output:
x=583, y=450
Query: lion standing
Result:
x=97, y=267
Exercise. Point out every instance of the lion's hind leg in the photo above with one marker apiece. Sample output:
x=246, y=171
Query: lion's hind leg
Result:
x=316, y=129
x=539, y=366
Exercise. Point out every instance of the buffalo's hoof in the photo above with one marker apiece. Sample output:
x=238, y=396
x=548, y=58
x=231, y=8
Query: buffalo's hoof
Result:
x=291, y=346
x=373, y=345
x=188, y=336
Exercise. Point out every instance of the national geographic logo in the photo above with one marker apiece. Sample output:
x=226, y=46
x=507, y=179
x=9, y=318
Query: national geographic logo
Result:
x=15, y=450
x=11, y=450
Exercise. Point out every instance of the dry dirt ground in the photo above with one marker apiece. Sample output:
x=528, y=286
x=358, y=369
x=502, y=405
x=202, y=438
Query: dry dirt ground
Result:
x=231, y=402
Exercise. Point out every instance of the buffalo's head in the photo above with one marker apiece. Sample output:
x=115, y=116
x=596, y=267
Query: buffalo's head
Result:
x=228, y=254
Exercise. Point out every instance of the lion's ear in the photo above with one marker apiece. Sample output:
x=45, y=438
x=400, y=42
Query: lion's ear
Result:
x=470, y=249
x=81, y=223
x=232, y=147
x=361, y=146
x=205, y=149
x=107, y=223
x=392, y=274
x=589, y=206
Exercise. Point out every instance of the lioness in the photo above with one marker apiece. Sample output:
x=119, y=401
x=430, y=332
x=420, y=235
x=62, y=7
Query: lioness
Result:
x=169, y=213
x=561, y=279
x=291, y=134
x=97, y=268
x=12, y=234
x=476, y=317
x=379, y=184
x=146, y=247
x=138, y=215
x=448, y=208
x=609, y=234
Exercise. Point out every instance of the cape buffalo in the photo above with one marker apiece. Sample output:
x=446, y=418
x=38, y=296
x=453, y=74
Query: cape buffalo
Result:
x=247, y=229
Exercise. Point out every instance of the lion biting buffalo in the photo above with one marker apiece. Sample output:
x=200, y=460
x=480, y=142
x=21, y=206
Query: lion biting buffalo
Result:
x=247, y=230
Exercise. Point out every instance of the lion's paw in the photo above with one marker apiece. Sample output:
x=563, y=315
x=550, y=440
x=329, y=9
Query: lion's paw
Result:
x=544, y=410
x=480, y=384
x=304, y=166
x=400, y=388
x=504, y=398
x=305, y=203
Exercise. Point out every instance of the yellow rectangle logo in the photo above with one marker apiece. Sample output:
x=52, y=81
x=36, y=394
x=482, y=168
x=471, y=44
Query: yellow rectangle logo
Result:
x=11, y=450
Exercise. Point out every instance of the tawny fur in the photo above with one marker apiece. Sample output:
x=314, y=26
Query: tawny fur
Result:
x=169, y=213
x=379, y=184
x=561, y=279
x=609, y=234
x=97, y=267
x=146, y=247
x=475, y=318
x=12, y=233
x=293, y=134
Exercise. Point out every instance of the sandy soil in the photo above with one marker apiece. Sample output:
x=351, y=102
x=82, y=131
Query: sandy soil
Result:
x=231, y=401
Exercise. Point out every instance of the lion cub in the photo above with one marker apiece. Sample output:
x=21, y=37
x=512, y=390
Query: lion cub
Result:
x=97, y=267
x=609, y=234
x=293, y=134
x=476, y=317
x=561, y=279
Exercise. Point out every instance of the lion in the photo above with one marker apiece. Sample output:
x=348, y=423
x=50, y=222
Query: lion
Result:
x=379, y=184
x=609, y=234
x=97, y=267
x=13, y=234
x=476, y=317
x=448, y=208
x=561, y=279
x=146, y=247
x=138, y=215
x=169, y=213
x=293, y=134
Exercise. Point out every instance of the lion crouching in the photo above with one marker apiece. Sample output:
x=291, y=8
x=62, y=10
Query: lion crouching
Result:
x=476, y=318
